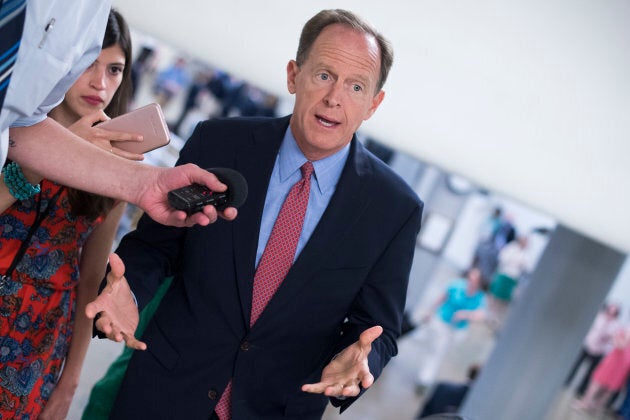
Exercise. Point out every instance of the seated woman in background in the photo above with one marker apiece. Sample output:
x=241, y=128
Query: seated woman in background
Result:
x=54, y=244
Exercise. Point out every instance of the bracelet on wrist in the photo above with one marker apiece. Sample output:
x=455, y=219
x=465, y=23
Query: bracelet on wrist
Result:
x=16, y=182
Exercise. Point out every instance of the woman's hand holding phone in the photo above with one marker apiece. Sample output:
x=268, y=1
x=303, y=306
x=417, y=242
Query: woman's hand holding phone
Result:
x=147, y=121
x=105, y=139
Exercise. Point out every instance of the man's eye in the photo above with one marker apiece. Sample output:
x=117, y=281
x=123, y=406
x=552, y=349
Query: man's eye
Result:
x=323, y=76
x=357, y=88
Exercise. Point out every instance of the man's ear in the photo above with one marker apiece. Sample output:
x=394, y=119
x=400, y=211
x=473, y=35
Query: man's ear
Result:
x=376, y=101
x=292, y=71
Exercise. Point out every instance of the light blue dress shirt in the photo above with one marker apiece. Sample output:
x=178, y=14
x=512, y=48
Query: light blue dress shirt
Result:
x=286, y=172
x=61, y=38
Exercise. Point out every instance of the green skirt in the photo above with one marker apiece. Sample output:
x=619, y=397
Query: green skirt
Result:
x=502, y=287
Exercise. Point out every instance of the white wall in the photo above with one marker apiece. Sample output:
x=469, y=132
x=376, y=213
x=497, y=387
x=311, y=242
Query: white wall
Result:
x=529, y=98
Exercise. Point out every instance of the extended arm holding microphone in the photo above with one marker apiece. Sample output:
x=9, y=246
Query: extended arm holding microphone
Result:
x=101, y=172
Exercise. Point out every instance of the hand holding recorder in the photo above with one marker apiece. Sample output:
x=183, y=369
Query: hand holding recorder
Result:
x=195, y=197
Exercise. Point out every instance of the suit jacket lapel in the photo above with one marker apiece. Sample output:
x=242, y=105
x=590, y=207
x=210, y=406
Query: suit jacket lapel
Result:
x=255, y=161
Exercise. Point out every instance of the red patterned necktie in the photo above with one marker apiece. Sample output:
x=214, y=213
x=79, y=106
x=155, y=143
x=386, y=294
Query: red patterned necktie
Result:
x=276, y=260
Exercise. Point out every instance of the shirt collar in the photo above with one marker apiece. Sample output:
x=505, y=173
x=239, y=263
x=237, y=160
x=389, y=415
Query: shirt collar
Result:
x=327, y=170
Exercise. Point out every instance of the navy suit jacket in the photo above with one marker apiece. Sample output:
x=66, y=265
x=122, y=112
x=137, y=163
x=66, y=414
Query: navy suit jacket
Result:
x=351, y=275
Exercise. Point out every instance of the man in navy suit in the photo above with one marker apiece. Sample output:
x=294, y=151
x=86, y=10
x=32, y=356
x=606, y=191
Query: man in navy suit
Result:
x=332, y=325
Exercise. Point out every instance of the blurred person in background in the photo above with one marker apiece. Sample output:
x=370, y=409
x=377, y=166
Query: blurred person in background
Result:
x=446, y=322
x=448, y=396
x=171, y=81
x=514, y=262
x=609, y=377
x=597, y=343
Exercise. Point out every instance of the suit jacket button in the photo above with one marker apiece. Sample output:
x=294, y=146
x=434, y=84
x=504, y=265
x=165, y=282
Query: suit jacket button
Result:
x=245, y=346
x=212, y=394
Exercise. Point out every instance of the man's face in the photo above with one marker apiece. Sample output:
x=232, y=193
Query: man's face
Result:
x=335, y=90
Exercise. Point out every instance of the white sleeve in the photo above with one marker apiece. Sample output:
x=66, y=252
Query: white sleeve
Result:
x=50, y=61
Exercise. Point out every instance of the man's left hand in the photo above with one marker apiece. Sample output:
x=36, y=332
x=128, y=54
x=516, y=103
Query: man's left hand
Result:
x=349, y=369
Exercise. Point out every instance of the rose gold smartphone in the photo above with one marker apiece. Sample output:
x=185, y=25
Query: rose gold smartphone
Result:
x=147, y=121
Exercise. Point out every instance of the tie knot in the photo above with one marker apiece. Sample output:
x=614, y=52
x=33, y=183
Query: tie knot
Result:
x=307, y=170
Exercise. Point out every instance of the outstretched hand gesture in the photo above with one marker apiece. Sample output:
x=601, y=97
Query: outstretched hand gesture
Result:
x=342, y=376
x=119, y=312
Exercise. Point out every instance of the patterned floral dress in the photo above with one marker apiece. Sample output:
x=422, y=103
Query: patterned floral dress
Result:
x=37, y=303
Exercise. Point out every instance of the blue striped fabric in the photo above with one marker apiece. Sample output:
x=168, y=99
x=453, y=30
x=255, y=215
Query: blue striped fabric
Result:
x=12, y=14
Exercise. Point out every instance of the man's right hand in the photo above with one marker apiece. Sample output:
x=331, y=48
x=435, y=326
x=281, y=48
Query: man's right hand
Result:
x=117, y=308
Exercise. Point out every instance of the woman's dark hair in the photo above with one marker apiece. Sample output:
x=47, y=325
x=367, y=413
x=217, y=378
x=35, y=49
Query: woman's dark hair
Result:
x=325, y=18
x=117, y=33
x=84, y=203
